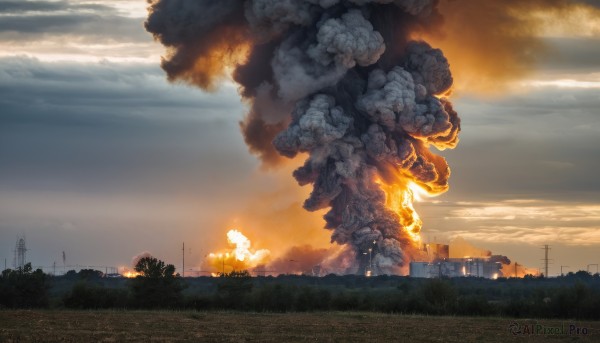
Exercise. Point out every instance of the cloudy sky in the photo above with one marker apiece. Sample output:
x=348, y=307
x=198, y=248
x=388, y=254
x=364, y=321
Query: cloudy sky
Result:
x=102, y=158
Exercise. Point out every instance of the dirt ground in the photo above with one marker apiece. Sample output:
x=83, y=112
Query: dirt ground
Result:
x=164, y=326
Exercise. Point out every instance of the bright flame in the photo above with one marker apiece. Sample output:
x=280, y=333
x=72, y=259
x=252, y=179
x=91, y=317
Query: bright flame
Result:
x=240, y=257
x=125, y=272
x=419, y=193
x=131, y=274
x=517, y=270
x=242, y=247
x=400, y=198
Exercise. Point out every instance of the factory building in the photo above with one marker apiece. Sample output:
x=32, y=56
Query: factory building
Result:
x=435, y=262
x=456, y=267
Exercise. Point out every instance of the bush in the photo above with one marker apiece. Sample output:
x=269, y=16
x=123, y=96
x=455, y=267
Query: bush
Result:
x=345, y=301
x=199, y=303
x=233, y=288
x=440, y=295
x=274, y=298
x=88, y=296
x=474, y=305
x=311, y=299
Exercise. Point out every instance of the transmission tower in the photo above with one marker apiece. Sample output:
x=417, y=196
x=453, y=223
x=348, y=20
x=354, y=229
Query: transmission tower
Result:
x=546, y=260
x=20, y=251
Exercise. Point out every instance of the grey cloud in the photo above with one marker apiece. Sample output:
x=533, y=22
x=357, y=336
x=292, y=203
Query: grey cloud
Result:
x=95, y=156
x=23, y=6
x=35, y=20
x=26, y=6
x=136, y=90
x=101, y=126
x=29, y=27
x=540, y=145
x=571, y=54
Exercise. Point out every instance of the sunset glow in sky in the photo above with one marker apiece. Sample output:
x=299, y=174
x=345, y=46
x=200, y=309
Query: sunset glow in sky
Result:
x=102, y=158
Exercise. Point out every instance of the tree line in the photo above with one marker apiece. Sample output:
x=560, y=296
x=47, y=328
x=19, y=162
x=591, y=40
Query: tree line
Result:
x=576, y=295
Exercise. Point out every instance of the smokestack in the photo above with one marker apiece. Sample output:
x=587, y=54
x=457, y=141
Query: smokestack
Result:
x=341, y=81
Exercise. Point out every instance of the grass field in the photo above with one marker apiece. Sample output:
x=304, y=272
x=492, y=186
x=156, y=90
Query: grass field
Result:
x=163, y=326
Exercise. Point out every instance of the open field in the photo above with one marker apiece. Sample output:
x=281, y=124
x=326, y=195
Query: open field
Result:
x=164, y=326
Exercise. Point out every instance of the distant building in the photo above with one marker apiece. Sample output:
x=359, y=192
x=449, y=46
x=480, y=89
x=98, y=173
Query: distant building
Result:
x=456, y=267
x=113, y=275
x=434, y=261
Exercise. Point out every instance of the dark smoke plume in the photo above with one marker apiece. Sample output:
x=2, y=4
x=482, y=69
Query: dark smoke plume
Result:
x=298, y=259
x=341, y=81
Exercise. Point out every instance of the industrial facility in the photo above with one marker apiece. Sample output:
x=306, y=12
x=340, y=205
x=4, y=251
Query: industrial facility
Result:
x=438, y=260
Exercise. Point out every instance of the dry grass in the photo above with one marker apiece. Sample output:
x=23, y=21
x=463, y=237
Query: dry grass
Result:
x=161, y=326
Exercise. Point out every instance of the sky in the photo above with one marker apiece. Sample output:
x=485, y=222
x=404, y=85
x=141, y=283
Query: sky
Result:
x=102, y=158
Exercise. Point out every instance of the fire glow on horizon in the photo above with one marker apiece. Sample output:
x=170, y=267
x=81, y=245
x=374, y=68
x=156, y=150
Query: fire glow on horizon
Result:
x=128, y=273
x=240, y=256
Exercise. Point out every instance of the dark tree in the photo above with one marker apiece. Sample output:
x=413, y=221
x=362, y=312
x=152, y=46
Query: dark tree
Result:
x=24, y=288
x=71, y=274
x=157, y=286
x=151, y=267
x=90, y=274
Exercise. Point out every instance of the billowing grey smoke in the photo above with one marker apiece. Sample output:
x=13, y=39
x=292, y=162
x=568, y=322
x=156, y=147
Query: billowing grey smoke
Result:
x=341, y=81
